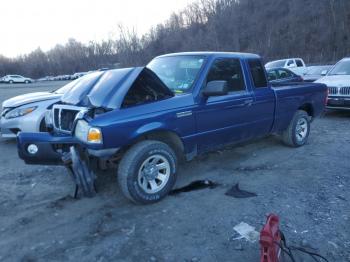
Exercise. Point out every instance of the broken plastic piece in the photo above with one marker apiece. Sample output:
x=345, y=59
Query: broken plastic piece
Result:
x=236, y=192
x=270, y=240
x=83, y=176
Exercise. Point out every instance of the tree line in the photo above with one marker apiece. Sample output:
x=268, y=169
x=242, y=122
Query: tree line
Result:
x=318, y=31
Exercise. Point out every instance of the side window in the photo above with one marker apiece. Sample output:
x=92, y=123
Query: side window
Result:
x=227, y=69
x=290, y=62
x=272, y=75
x=258, y=73
x=299, y=63
x=284, y=73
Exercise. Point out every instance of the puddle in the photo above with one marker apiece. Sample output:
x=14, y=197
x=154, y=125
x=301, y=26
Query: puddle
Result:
x=195, y=185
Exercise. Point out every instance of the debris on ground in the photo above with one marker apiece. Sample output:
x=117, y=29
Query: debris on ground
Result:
x=236, y=192
x=247, y=232
x=196, y=185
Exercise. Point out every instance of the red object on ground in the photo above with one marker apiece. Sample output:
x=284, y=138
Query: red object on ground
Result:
x=270, y=239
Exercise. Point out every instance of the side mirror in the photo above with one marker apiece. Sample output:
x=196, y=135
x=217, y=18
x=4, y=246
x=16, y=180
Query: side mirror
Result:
x=215, y=88
x=324, y=72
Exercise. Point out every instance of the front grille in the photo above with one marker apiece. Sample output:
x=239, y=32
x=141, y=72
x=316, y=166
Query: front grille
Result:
x=345, y=90
x=64, y=117
x=332, y=90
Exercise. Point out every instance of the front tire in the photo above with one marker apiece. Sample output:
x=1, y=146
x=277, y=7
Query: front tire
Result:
x=298, y=131
x=147, y=172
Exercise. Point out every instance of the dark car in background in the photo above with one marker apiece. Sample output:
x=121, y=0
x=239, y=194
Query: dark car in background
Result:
x=314, y=73
x=282, y=75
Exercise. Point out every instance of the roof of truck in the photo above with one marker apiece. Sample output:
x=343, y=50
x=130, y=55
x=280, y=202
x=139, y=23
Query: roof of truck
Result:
x=210, y=53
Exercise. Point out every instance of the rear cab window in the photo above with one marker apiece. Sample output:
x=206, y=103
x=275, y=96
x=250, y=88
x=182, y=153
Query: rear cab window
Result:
x=257, y=73
x=299, y=63
x=229, y=70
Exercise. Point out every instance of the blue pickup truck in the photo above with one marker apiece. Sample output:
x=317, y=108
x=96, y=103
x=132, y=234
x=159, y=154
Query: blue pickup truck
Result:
x=180, y=105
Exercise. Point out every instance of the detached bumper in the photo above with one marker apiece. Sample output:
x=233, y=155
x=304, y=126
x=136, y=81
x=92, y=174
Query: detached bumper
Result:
x=46, y=153
x=47, y=145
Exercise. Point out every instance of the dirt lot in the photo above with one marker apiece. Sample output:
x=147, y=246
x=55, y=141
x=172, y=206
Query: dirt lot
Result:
x=307, y=187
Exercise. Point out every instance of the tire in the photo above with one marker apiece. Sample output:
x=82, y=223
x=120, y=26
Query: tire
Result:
x=26, y=82
x=11, y=82
x=298, y=131
x=140, y=178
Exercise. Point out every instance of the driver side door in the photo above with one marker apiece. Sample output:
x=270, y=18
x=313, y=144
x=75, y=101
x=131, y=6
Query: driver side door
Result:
x=223, y=119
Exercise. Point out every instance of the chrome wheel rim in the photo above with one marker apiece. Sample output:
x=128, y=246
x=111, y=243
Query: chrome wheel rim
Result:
x=154, y=174
x=301, y=129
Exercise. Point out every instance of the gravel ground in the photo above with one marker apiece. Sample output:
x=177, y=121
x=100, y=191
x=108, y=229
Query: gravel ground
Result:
x=307, y=187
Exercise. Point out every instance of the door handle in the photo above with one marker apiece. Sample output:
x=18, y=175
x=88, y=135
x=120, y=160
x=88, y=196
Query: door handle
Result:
x=247, y=102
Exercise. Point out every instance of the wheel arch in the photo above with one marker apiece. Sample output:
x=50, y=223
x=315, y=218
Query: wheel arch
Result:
x=308, y=108
x=168, y=137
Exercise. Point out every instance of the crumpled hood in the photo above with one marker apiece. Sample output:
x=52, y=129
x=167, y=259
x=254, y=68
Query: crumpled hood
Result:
x=30, y=98
x=335, y=80
x=102, y=89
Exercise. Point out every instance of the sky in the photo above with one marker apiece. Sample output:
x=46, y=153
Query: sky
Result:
x=29, y=24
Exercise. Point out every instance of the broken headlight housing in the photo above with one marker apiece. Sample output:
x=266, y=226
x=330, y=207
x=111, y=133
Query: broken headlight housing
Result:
x=86, y=133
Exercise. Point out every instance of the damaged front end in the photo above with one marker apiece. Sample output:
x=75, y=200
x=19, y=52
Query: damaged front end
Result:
x=72, y=143
x=76, y=134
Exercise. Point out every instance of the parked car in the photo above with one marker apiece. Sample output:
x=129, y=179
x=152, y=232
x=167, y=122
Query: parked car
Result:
x=314, y=73
x=10, y=79
x=338, y=82
x=297, y=65
x=178, y=106
x=26, y=113
x=77, y=75
x=282, y=75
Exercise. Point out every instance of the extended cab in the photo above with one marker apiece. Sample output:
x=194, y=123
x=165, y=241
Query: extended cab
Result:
x=178, y=106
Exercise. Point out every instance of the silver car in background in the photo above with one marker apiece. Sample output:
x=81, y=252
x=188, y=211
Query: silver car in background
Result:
x=27, y=112
x=338, y=83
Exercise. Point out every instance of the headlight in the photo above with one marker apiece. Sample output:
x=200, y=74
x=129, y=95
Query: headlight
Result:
x=88, y=134
x=20, y=112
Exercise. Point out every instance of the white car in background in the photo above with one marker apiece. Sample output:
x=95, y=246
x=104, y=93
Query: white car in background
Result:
x=297, y=65
x=27, y=112
x=10, y=79
x=338, y=83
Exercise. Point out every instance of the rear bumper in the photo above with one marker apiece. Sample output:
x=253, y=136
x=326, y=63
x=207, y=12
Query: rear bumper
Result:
x=46, y=153
x=338, y=103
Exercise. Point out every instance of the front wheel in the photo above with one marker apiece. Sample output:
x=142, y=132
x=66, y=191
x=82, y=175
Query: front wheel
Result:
x=298, y=131
x=147, y=172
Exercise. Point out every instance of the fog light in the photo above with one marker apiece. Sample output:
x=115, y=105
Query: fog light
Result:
x=32, y=149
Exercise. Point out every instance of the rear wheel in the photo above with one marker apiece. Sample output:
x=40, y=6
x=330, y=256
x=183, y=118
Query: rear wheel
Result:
x=298, y=131
x=147, y=172
x=11, y=81
x=27, y=82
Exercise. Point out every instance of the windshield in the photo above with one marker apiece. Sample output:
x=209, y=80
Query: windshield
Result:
x=275, y=64
x=178, y=73
x=317, y=70
x=342, y=68
x=66, y=87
